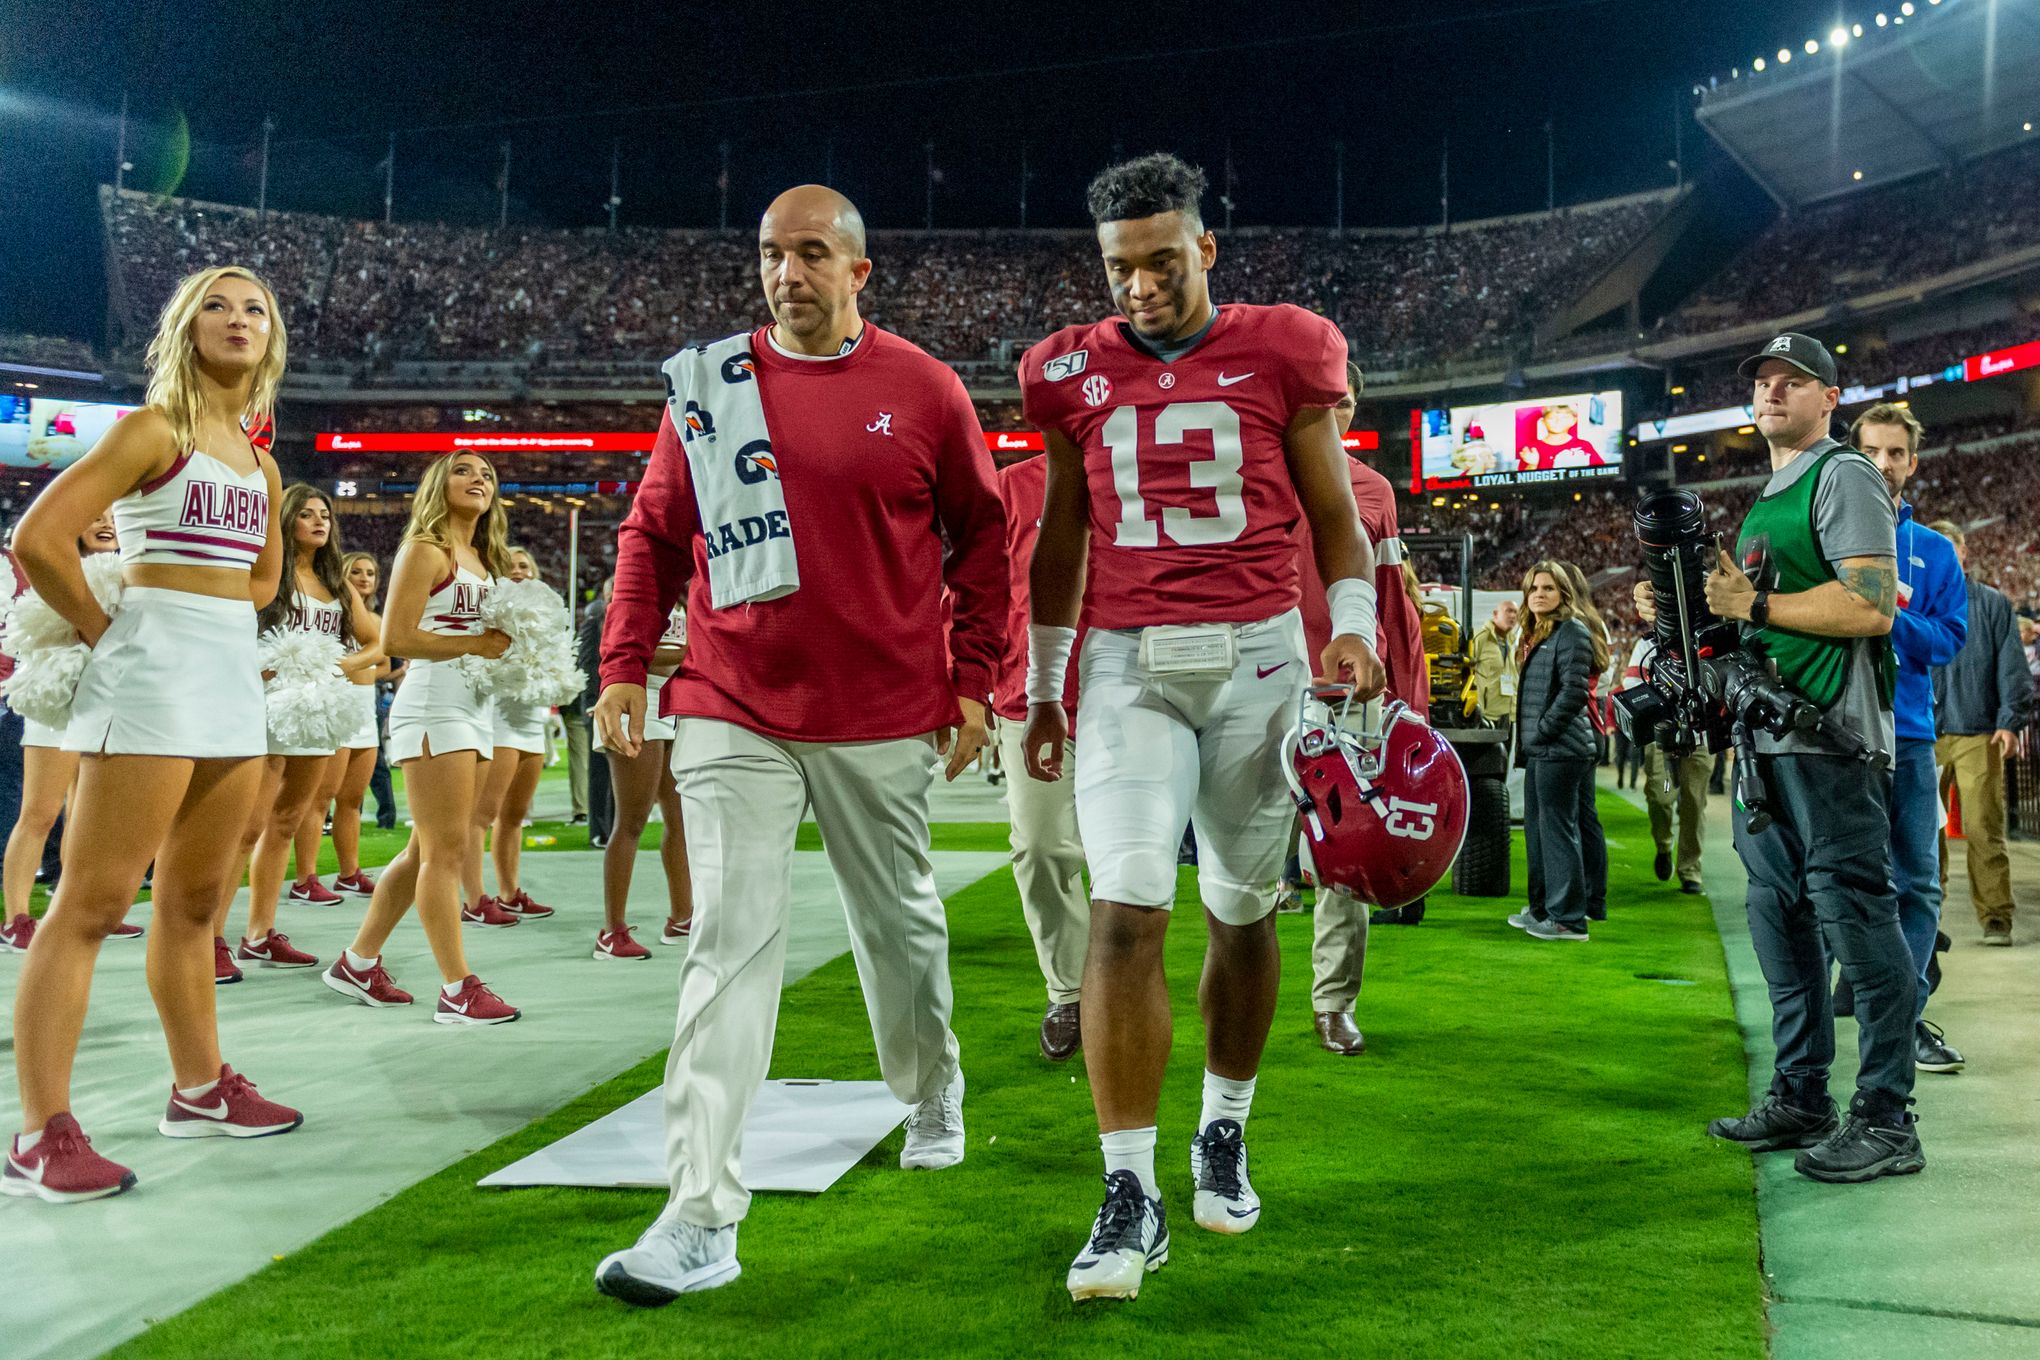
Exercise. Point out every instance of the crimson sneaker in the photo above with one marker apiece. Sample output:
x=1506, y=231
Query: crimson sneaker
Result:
x=223, y=969
x=125, y=931
x=487, y=912
x=230, y=1110
x=312, y=891
x=62, y=1168
x=676, y=931
x=356, y=884
x=473, y=1004
x=274, y=951
x=617, y=944
x=371, y=987
x=524, y=906
x=15, y=935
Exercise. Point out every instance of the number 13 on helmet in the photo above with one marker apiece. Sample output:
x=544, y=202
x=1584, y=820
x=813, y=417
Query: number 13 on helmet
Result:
x=1384, y=808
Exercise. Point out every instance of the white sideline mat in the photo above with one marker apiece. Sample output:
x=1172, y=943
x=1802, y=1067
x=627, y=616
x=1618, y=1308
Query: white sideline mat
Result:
x=801, y=1136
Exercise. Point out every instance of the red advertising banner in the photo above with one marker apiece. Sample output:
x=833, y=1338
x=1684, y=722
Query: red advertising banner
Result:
x=441, y=441
x=1980, y=366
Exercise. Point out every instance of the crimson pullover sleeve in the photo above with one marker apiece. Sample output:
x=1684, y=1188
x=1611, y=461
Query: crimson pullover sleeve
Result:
x=654, y=561
x=974, y=525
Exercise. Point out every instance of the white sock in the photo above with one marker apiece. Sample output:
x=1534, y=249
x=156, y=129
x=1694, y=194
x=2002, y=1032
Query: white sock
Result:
x=1225, y=1098
x=26, y=1142
x=452, y=989
x=1132, y=1150
x=358, y=963
x=198, y=1092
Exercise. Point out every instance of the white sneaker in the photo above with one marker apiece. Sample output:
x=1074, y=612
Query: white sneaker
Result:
x=935, y=1130
x=1225, y=1202
x=671, y=1259
x=1129, y=1240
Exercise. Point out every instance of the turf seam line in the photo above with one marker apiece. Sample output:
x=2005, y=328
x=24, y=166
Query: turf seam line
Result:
x=1914, y=1310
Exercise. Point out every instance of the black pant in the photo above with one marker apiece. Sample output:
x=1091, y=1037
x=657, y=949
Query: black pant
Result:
x=1820, y=884
x=1593, y=849
x=385, y=796
x=1554, y=836
x=601, y=797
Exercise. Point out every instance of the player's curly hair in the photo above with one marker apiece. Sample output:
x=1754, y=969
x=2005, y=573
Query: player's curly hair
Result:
x=1145, y=186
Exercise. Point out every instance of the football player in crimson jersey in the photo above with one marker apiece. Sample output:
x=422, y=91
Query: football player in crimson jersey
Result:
x=1181, y=438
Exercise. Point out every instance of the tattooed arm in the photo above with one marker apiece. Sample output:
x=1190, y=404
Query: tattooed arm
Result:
x=1860, y=602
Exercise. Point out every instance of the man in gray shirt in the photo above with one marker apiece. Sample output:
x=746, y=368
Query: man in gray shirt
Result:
x=1817, y=583
x=1982, y=697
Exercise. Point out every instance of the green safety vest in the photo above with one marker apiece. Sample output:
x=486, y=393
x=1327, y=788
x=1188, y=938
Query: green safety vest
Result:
x=1779, y=549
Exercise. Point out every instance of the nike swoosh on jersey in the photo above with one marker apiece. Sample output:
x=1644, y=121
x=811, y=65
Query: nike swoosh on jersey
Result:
x=218, y=1111
x=1225, y=380
x=1263, y=672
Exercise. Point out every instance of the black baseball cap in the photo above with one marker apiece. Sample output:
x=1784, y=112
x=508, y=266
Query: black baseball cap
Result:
x=1803, y=352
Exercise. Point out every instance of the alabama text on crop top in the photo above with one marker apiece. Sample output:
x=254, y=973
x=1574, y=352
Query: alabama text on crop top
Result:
x=199, y=513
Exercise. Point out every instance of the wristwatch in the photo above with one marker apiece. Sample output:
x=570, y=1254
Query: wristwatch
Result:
x=1760, y=609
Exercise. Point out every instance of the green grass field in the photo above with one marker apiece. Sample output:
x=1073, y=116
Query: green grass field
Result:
x=1515, y=1168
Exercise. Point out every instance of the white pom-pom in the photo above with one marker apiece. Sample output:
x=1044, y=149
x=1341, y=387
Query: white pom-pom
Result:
x=48, y=656
x=311, y=706
x=45, y=682
x=102, y=576
x=539, y=666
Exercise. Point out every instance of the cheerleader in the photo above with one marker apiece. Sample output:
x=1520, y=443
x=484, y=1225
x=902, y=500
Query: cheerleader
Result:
x=47, y=775
x=506, y=796
x=636, y=782
x=353, y=765
x=168, y=716
x=442, y=734
x=314, y=598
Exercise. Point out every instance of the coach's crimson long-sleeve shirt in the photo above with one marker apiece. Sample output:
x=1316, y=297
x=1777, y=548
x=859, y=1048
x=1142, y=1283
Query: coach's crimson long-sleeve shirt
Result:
x=890, y=494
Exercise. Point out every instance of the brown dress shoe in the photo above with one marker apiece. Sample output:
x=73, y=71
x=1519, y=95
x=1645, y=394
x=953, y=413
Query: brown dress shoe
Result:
x=1062, y=1032
x=1337, y=1033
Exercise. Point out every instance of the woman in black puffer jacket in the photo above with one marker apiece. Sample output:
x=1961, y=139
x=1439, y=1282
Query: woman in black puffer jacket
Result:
x=1557, y=663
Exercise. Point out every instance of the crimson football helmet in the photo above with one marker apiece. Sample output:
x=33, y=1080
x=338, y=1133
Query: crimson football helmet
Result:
x=1385, y=810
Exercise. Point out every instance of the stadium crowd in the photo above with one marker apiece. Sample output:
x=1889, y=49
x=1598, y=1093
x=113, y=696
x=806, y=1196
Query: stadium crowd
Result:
x=367, y=291
x=1876, y=240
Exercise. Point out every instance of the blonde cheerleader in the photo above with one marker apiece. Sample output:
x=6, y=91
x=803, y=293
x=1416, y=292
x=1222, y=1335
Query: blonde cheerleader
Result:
x=442, y=732
x=168, y=717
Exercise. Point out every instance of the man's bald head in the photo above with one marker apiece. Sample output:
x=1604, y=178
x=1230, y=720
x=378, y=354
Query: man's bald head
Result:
x=815, y=207
x=811, y=261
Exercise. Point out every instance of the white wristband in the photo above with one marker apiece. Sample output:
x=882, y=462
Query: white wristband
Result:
x=1352, y=607
x=1048, y=661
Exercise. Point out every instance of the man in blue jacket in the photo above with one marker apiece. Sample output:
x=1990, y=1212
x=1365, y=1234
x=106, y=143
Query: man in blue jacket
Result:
x=1928, y=631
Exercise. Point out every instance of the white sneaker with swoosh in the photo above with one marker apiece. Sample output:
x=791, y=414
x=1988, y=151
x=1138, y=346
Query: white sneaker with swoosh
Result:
x=1225, y=1200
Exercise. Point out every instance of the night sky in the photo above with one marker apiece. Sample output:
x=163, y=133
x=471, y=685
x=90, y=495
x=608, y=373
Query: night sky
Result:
x=786, y=85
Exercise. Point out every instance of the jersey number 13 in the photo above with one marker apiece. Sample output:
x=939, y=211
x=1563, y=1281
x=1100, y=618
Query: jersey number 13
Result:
x=1220, y=474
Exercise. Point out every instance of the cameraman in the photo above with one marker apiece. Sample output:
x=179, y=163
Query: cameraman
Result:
x=1821, y=541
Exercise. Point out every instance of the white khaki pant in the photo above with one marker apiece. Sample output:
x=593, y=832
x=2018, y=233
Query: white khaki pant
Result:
x=743, y=796
x=1338, y=952
x=1048, y=864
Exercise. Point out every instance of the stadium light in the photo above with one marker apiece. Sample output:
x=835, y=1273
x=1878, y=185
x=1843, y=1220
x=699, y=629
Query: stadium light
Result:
x=1841, y=349
x=1784, y=56
x=1811, y=47
x=1857, y=175
x=1856, y=30
x=1757, y=65
x=1882, y=20
x=2028, y=127
x=1906, y=9
x=1839, y=38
